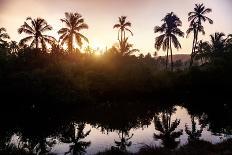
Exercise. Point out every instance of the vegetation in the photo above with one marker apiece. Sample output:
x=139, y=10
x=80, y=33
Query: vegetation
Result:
x=50, y=94
x=196, y=18
x=170, y=30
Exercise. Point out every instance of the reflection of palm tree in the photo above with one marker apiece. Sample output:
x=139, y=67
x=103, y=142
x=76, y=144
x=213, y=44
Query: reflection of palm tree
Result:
x=35, y=32
x=36, y=145
x=196, y=17
x=74, y=23
x=123, y=27
x=3, y=35
x=169, y=30
x=124, y=140
x=167, y=129
x=193, y=134
x=74, y=134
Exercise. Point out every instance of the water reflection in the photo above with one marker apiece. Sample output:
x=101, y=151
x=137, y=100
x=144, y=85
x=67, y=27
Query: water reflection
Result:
x=90, y=130
x=167, y=128
x=193, y=134
x=74, y=133
x=124, y=141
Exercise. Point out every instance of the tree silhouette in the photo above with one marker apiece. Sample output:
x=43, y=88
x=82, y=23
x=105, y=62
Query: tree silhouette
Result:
x=74, y=24
x=13, y=47
x=167, y=129
x=74, y=133
x=3, y=35
x=193, y=133
x=196, y=18
x=35, y=32
x=169, y=30
x=122, y=27
x=124, y=140
x=202, y=51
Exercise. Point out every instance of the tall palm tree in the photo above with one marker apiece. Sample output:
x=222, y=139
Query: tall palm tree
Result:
x=3, y=35
x=35, y=31
x=74, y=24
x=122, y=28
x=169, y=30
x=196, y=18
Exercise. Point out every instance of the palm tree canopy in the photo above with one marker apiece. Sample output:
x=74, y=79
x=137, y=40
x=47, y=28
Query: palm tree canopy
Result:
x=3, y=35
x=123, y=26
x=35, y=30
x=74, y=24
x=198, y=15
x=169, y=30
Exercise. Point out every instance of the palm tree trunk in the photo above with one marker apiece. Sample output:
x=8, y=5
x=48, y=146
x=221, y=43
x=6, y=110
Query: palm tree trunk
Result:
x=170, y=44
x=191, y=61
x=167, y=59
x=36, y=43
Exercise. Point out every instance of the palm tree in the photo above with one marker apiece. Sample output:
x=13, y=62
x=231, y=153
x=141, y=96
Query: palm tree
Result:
x=35, y=31
x=3, y=35
x=196, y=18
x=74, y=24
x=169, y=30
x=122, y=28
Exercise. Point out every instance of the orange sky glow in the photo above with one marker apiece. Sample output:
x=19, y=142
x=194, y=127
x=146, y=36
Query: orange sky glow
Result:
x=101, y=15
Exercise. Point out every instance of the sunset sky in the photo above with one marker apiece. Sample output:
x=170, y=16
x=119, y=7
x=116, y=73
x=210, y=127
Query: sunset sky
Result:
x=101, y=15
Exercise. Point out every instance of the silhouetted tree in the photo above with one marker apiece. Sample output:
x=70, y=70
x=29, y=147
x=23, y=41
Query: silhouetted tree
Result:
x=167, y=128
x=74, y=24
x=196, y=18
x=13, y=47
x=193, y=133
x=169, y=30
x=35, y=32
x=3, y=35
x=122, y=28
x=74, y=133
x=124, y=140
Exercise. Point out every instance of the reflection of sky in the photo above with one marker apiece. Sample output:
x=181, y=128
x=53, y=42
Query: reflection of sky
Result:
x=101, y=15
x=102, y=141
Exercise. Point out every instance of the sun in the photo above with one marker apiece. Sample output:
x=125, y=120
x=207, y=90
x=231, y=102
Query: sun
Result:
x=97, y=46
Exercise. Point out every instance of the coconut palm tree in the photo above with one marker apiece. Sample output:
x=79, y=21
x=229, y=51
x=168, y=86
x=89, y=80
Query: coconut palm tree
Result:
x=169, y=30
x=35, y=30
x=196, y=18
x=3, y=35
x=74, y=24
x=122, y=27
